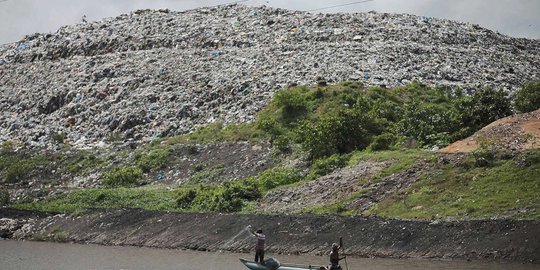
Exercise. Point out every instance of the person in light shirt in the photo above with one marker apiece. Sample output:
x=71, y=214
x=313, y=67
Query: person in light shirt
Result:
x=259, y=245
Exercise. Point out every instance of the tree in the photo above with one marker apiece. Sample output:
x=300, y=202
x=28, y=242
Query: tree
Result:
x=527, y=99
x=338, y=132
x=485, y=107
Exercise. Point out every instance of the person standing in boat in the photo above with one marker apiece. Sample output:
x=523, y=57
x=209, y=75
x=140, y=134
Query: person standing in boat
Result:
x=259, y=244
x=334, y=257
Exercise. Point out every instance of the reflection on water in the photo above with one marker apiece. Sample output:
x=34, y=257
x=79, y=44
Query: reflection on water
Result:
x=40, y=255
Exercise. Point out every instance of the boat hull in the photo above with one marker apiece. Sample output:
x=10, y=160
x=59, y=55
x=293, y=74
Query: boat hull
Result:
x=256, y=266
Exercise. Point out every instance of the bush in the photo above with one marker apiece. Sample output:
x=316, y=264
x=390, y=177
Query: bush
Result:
x=123, y=177
x=327, y=165
x=341, y=132
x=528, y=158
x=527, y=99
x=235, y=195
x=382, y=142
x=485, y=107
x=58, y=137
x=276, y=177
x=429, y=124
x=155, y=159
x=185, y=198
x=231, y=197
x=17, y=172
x=483, y=156
x=4, y=197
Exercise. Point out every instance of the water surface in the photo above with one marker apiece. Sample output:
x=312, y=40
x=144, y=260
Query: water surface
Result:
x=42, y=255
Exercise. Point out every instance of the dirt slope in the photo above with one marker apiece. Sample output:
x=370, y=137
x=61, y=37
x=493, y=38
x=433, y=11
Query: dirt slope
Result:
x=498, y=240
x=514, y=133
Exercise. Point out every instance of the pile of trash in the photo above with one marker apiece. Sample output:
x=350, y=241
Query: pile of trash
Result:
x=155, y=73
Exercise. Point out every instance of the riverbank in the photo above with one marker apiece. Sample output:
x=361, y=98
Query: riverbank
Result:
x=492, y=240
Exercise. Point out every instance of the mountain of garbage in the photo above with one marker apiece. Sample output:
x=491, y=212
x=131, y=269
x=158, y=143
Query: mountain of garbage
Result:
x=154, y=73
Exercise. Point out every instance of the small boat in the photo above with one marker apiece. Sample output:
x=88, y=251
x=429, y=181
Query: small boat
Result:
x=257, y=266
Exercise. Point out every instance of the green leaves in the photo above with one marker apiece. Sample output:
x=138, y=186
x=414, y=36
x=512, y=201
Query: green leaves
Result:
x=123, y=177
x=527, y=99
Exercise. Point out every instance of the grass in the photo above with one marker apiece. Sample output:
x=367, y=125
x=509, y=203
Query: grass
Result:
x=80, y=199
x=337, y=208
x=219, y=132
x=504, y=190
x=17, y=167
x=207, y=176
x=82, y=162
x=401, y=160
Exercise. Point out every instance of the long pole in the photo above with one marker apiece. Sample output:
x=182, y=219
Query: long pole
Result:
x=343, y=248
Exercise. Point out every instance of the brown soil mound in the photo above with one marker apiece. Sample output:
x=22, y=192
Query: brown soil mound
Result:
x=514, y=133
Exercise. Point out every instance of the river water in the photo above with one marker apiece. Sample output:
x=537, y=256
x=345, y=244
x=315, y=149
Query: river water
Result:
x=43, y=255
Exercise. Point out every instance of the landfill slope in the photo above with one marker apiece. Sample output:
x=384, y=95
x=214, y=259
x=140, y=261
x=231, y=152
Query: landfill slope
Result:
x=161, y=73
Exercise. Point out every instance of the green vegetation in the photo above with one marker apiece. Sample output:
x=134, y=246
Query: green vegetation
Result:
x=502, y=190
x=123, y=177
x=399, y=160
x=527, y=99
x=337, y=208
x=218, y=132
x=236, y=195
x=330, y=128
x=327, y=165
x=18, y=167
x=80, y=199
x=58, y=137
x=4, y=197
x=484, y=107
x=347, y=117
x=153, y=160
x=206, y=176
x=82, y=162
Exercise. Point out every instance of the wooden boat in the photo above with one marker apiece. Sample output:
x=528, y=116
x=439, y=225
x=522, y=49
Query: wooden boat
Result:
x=256, y=266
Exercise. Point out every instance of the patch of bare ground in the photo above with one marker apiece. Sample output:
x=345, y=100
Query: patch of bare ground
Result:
x=377, y=192
x=515, y=133
x=327, y=189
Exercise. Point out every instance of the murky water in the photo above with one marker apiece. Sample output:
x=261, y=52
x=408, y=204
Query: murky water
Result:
x=40, y=255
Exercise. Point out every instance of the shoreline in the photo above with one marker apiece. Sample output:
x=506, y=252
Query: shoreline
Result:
x=483, y=240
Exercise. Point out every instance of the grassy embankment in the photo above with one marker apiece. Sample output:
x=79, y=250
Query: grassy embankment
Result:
x=330, y=127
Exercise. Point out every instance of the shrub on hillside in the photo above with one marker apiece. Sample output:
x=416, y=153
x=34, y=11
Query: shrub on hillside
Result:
x=528, y=158
x=484, y=156
x=155, y=159
x=484, y=107
x=185, y=198
x=340, y=132
x=16, y=172
x=270, y=179
x=527, y=99
x=234, y=196
x=382, y=142
x=123, y=177
x=327, y=165
x=4, y=197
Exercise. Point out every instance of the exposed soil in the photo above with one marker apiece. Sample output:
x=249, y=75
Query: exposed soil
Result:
x=324, y=190
x=376, y=192
x=225, y=161
x=514, y=133
x=498, y=240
